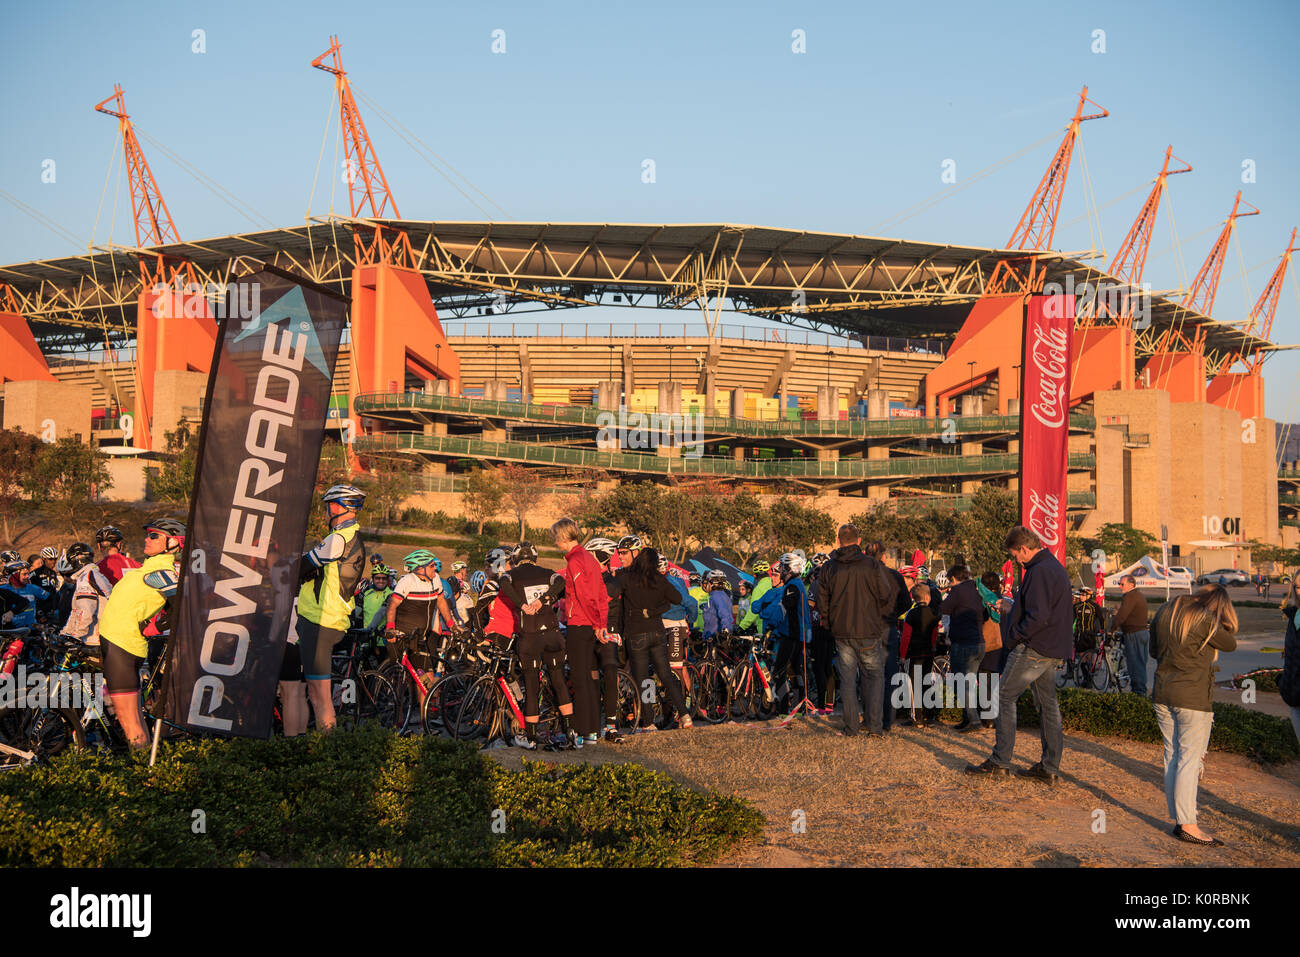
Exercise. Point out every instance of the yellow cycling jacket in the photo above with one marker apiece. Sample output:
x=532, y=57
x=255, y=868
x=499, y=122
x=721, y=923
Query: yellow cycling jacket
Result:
x=131, y=604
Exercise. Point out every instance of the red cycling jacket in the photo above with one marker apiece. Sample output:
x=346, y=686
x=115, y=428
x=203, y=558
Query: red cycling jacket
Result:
x=112, y=567
x=586, y=600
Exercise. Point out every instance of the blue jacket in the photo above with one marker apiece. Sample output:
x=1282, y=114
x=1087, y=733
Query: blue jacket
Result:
x=717, y=614
x=687, y=609
x=34, y=594
x=768, y=608
x=798, y=616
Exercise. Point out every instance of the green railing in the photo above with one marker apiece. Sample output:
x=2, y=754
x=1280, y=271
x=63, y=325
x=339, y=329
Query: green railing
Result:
x=1289, y=499
x=561, y=456
x=1288, y=474
x=962, y=503
x=707, y=424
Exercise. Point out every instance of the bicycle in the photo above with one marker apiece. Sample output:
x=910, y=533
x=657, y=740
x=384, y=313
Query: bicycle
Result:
x=492, y=709
x=749, y=682
x=360, y=694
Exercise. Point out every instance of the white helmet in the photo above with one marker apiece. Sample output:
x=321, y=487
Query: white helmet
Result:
x=349, y=496
x=793, y=562
x=941, y=580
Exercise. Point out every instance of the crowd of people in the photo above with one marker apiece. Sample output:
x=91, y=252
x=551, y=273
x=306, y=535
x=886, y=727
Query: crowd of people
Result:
x=851, y=618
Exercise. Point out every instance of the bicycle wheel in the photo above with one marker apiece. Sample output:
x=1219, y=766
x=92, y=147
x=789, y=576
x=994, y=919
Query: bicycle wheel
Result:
x=377, y=700
x=475, y=714
x=1099, y=672
x=713, y=694
x=761, y=703
x=629, y=702
x=51, y=731
x=442, y=703
x=1064, y=672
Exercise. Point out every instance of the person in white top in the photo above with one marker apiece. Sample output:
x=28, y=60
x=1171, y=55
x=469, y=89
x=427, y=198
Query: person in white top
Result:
x=89, y=596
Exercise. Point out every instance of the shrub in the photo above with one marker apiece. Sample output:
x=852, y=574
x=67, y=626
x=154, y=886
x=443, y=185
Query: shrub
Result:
x=366, y=798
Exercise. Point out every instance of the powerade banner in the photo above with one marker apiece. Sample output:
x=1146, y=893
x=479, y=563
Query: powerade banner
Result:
x=263, y=424
x=1044, y=418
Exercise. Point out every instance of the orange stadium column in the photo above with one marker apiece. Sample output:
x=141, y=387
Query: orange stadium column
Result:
x=990, y=338
x=1181, y=374
x=1242, y=391
x=172, y=332
x=20, y=357
x=395, y=329
x=1103, y=361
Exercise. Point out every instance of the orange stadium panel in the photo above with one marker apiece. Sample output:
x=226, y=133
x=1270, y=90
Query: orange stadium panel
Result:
x=21, y=359
x=991, y=338
x=395, y=329
x=163, y=340
x=1103, y=360
x=1242, y=391
x=1181, y=374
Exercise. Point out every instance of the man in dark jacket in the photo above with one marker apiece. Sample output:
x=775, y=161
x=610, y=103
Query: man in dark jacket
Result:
x=1041, y=637
x=854, y=594
x=893, y=630
x=966, y=616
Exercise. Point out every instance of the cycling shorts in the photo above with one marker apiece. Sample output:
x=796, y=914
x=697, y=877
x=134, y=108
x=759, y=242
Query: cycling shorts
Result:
x=538, y=650
x=676, y=637
x=314, y=646
x=121, y=669
x=291, y=666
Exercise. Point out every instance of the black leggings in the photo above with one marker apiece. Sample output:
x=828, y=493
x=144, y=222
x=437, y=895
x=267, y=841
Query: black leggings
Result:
x=791, y=652
x=641, y=651
x=544, y=650
x=823, y=650
x=580, y=645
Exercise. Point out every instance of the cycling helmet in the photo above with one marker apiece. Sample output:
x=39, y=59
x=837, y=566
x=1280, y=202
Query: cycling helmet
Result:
x=9, y=555
x=62, y=567
x=523, y=552
x=717, y=579
x=349, y=496
x=496, y=560
x=602, y=548
x=174, y=530
x=793, y=562
x=376, y=559
x=13, y=568
x=761, y=567
x=49, y=552
x=477, y=581
x=630, y=543
x=663, y=564
x=437, y=564
x=418, y=559
x=694, y=578
x=820, y=559
x=457, y=566
x=941, y=580
x=109, y=533
x=78, y=555
x=381, y=571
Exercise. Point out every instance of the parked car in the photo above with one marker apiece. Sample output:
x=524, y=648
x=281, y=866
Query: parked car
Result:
x=1233, y=576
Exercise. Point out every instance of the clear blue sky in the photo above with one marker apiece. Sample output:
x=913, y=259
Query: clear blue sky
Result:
x=841, y=138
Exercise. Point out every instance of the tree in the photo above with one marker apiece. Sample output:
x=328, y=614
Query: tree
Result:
x=983, y=528
x=68, y=477
x=390, y=482
x=524, y=490
x=483, y=496
x=174, y=480
x=1126, y=541
x=19, y=452
x=792, y=524
x=332, y=470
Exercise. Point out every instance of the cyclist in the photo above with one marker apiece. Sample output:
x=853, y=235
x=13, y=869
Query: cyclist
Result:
x=750, y=620
x=465, y=591
x=18, y=576
x=495, y=616
x=603, y=550
x=419, y=602
x=134, y=601
x=329, y=574
x=375, y=598
x=89, y=595
x=718, y=614
x=45, y=576
x=629, y=546
x=114, y=562
x=533, y=590
x=785, y=611
x=375, y=561
x=448, y=592
x=587, y=611
x=701, y=597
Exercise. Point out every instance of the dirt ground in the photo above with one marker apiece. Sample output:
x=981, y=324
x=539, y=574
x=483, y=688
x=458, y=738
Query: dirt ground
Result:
x=903, y=801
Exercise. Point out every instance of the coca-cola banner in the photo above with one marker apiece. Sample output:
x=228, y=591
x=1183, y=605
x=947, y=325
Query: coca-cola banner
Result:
x=1044, y=418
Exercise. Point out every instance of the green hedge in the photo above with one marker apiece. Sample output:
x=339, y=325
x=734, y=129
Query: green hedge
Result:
x=1263, y=737
x=367, y=798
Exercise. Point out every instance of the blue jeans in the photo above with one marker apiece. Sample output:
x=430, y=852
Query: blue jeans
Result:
x=861, y=665
x=965, y=658
x=1027, y=668
x=1136, y=645
x=1187, y=735
x=891, y=669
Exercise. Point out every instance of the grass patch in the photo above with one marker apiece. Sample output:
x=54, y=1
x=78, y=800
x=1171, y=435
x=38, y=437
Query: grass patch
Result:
x=365, y=798
x=1263, y=737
